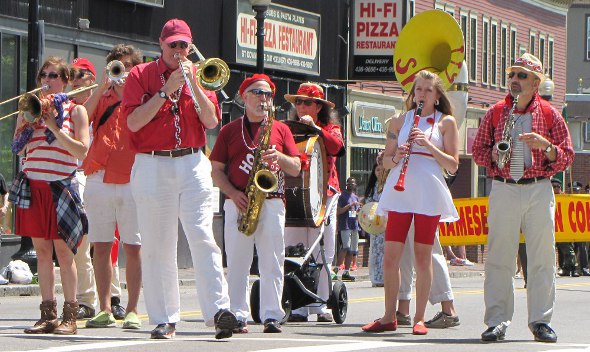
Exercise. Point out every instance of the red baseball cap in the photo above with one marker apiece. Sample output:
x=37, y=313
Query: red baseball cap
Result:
x=175, y=30
x=255, y=78
x=84, y=64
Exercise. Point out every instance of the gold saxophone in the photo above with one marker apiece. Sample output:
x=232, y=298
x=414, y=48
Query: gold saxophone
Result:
x=504, y=147
x=260, y=182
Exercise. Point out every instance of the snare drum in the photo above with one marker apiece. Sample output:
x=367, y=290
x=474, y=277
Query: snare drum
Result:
x=306, y=193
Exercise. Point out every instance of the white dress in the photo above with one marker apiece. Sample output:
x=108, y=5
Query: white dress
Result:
x=426, y=191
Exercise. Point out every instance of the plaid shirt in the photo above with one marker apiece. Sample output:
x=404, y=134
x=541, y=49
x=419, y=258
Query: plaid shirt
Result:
x=72, y=222
x=558, y=135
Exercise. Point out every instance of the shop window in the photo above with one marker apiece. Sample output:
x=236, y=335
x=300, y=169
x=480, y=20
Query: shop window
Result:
x=361, y=165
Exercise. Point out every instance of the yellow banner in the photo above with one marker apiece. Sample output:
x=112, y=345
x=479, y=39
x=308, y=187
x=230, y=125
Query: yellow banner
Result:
x=572, y=221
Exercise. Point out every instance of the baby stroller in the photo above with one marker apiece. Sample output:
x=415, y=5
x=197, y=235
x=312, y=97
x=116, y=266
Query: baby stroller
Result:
x=302, y=273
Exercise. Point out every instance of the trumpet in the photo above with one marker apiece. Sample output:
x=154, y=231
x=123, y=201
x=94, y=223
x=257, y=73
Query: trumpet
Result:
x=212, y=74
x=33, y=107
x=43, y=87
x=116, y=72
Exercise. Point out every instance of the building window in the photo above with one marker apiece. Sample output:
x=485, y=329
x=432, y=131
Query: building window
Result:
x=485, y=51
x=532, y=42
x=587, y=37
x=503, y=54
x=411, y=8
x=512, y=45
x=361, y=165
x=473, y=47
x=494, y=53
x=550, y=58
x=587, y=132
x=464, y=23
x=542, y=50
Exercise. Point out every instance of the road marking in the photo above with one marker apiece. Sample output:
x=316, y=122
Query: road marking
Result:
x=359, y=346
x=463, y=292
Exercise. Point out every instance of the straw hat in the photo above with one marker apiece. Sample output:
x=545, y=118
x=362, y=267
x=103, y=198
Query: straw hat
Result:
x=529, y=63
x=309, y=90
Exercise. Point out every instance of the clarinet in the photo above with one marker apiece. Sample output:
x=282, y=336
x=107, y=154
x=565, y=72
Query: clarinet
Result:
x=400, y=185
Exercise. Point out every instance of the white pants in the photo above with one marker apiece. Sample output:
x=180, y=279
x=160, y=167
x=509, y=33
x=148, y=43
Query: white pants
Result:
x=441, y=290
x=166, y=190
x=86, y=287
x=270, y=247
x=307, y=236
x=109, y=206
x=530, y=208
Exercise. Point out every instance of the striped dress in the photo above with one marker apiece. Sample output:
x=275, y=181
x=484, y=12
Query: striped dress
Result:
x=50, y=162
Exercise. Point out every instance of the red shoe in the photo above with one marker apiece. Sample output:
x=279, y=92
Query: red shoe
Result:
x=353, y=267
x=376, y=326
x=420, y=329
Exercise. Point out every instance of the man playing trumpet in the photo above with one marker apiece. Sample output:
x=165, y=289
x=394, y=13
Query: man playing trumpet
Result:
x=171, y=181
x=232, y=158
x=522, y=199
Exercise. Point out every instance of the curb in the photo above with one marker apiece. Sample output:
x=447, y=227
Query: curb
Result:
x=33, y=290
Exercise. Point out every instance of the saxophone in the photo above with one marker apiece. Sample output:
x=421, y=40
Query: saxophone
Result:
x=505, y=145
x=260, y=182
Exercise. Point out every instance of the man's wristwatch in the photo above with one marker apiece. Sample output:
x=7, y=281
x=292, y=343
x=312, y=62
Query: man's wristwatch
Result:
x=548, y=149
x=162, y=94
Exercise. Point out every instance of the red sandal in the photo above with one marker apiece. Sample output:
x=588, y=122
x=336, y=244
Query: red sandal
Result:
x=377, y=326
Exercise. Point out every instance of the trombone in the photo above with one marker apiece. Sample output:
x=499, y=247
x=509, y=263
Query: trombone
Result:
x=43, y=87
x=32, y=107
x=212, y=74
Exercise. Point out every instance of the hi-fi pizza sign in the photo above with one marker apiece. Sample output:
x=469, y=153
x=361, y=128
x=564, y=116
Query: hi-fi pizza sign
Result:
x=375, y=29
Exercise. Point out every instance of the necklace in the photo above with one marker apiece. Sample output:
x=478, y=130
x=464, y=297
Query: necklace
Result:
x=253, y=148
x=174, y=110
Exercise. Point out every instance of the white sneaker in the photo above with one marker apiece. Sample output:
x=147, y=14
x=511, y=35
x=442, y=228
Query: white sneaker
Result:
x=466, y=262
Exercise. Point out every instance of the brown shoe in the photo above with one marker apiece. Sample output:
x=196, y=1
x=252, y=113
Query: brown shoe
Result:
x=68, y=324
x=48, y=321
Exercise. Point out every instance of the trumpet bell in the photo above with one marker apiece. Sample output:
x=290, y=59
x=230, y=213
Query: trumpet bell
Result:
x=30, y=105
x=213, y=74
x=433, y=41
x=266, y=181
x=116, y=71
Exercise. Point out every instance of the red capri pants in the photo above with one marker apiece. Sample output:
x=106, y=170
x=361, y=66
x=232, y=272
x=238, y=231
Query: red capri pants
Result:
x=398, y=225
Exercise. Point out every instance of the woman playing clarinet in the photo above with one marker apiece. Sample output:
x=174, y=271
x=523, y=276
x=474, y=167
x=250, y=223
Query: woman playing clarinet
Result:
x=417, y=150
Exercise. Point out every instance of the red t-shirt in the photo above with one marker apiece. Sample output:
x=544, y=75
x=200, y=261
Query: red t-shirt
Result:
x=110, y=150
x=334, y=143
x=230, y=149
x=143, y=82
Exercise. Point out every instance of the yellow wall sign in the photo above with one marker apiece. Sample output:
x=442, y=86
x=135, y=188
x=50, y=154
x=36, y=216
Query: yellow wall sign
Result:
x=572, y=221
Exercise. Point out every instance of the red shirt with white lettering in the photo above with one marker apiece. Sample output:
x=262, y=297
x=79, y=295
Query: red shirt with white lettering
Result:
x=143, y=82
x=235, y=148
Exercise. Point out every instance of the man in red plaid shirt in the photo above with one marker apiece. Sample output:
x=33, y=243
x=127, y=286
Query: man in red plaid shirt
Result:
x=522, y=199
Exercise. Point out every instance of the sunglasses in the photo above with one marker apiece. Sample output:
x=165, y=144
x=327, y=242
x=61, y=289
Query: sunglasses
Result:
x=79, y=74
x=183, y=45
x=258, y=92
x=521, y=75
x=51, y=75
x=306, y=102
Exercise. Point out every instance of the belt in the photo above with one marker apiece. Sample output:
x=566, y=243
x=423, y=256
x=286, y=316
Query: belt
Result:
x=174, y=153
x=522, y=181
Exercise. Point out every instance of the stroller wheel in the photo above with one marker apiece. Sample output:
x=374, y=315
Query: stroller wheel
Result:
x=255, y=303
x=339, y=298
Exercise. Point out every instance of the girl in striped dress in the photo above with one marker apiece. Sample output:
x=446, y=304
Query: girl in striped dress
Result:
x=45, y=192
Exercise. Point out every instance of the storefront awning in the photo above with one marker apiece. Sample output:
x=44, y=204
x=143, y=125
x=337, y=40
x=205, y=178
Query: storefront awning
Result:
x=578, y=106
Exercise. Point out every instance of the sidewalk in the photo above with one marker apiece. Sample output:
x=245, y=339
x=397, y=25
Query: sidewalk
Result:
x=186, y=277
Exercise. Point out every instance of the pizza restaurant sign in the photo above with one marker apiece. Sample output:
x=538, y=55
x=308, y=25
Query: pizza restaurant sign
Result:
x=369, y=119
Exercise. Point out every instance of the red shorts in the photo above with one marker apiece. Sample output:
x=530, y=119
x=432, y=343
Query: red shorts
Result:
x=40, y=219
x=398, y=225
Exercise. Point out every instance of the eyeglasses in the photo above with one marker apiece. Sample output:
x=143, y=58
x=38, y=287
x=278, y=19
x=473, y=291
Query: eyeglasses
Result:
x=79, y=74
x=258, y=92
x=183, y=45
x=51, y=75
x=521, y=75
x=306, y=102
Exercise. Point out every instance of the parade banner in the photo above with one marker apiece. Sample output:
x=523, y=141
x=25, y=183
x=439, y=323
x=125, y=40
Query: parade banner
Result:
x=572, y=221
x=374, y=30
x=291, y=41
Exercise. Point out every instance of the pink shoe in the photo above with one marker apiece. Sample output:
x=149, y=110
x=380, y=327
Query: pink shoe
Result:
x=353, y=267
x=419, y=329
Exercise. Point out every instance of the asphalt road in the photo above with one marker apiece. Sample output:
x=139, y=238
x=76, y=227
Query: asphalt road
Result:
x=570, y=320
